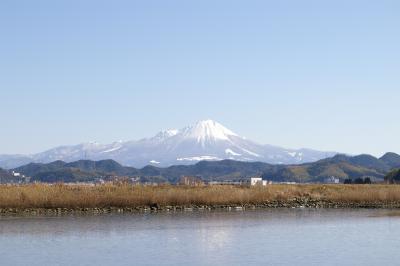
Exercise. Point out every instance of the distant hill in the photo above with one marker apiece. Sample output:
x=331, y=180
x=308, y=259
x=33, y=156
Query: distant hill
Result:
x=5, y=176
x=82, y=170
x=391, y=159
x=339, y=166
x=66, y=175
x=85, y=170
x=103, y=166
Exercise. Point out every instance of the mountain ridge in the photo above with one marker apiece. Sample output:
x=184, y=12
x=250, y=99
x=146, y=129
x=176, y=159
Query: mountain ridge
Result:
x=339, y=166
x=205, y=140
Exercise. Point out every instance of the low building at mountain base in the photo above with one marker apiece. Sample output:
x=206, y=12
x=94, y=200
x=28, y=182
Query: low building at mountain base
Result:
x=332, y=180
x=258, y=181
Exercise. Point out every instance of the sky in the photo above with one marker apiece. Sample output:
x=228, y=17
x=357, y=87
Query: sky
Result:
x=316, y=74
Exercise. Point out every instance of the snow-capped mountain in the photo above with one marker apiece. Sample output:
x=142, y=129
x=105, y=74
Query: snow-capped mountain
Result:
x=206, y=140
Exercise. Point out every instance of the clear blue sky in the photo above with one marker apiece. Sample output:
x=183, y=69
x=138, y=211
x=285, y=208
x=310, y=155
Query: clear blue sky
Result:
x=317, y=74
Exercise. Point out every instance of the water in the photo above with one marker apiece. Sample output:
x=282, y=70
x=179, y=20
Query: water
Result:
x=261, y=237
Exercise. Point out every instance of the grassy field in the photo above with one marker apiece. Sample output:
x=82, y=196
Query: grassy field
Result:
x=103, y=196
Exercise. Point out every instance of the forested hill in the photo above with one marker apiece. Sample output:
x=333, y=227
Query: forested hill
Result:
x=339, y=166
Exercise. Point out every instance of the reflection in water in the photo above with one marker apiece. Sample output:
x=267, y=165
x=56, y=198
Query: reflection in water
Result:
x=261, y=237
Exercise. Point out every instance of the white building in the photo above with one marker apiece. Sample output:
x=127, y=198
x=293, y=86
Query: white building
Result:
x=15, y=173
x=332, y=180
x=258, y=181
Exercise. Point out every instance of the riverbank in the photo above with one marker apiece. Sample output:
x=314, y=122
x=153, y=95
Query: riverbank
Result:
x=109, y=198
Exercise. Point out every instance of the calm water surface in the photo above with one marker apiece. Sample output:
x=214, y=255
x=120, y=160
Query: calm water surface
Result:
x=262, y=237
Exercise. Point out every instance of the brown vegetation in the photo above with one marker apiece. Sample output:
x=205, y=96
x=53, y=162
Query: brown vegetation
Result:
x=133, y=196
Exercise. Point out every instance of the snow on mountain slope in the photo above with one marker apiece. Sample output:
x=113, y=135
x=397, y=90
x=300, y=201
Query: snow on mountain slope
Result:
x=163, y=135
x=205, y=140
x=206, y=131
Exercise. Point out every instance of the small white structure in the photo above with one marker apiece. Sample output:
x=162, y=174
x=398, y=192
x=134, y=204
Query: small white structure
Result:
x=255, y=181
x=332, y=180
x=15, y=173
x=258, y=181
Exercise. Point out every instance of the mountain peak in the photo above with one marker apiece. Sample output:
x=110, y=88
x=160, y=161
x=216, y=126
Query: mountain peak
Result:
x=206, y=130
x=392, y=159
x=166, y=133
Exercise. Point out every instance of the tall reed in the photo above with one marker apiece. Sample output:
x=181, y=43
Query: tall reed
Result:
x=124, y=195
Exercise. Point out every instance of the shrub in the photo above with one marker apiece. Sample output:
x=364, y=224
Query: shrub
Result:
x=348, y=181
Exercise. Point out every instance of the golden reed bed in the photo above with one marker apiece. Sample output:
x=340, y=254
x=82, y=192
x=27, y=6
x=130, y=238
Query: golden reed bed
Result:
x=132, y=196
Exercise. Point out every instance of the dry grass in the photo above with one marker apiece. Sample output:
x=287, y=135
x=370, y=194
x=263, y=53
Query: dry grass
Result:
x=81, y=196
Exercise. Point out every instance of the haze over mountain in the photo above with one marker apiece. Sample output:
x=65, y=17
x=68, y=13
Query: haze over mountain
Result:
x=205, y=140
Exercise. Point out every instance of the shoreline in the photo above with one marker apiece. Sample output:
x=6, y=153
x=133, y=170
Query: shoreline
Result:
x=296, y=204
